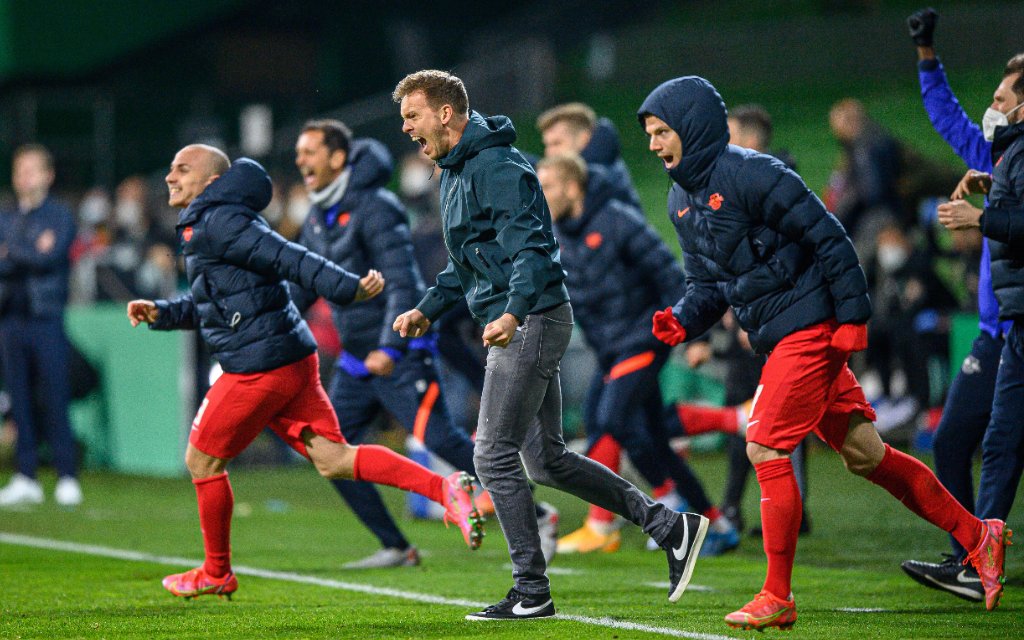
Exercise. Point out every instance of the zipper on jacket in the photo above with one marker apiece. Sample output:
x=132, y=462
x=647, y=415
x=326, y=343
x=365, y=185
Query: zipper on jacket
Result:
x=480, y=255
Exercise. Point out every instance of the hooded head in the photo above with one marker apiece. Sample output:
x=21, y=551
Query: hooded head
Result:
x=694, y=110
x=246, y=183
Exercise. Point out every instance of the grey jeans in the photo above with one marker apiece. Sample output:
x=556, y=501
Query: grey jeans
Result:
x=521, y=420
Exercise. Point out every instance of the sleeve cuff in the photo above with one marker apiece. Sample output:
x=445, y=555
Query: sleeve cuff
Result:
x=518, y=307
x=431, y=305
x=928, y=65
x=393, y=353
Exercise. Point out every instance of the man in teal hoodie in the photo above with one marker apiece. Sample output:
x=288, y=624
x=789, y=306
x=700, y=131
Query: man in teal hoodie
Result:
x=502, y=256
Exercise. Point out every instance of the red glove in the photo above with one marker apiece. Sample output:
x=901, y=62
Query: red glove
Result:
x=851, y=337
x=667, y=328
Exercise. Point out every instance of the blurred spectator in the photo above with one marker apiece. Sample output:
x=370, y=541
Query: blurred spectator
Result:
x=908, y=325
x=750, y=127
x=296, y=209
x=417, y=187
x=867, y=198
x=35, y=241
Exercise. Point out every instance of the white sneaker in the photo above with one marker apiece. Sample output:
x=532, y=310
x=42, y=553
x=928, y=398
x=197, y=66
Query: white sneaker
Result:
x=68, y=492
x=21, y=489
x=547, y=526
x=387, y=558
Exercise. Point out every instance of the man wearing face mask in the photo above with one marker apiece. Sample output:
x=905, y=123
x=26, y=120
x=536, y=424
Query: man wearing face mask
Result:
x=905, y=291
x=1002, y=223
x=968, y=408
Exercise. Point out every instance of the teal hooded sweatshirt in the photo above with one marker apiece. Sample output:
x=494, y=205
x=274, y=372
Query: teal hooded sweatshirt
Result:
x=502, y=254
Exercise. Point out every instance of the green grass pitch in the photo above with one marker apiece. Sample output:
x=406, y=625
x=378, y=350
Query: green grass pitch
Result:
x=291, y=526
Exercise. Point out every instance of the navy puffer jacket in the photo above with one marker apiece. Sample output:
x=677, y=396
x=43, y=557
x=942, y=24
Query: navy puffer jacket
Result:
x=367, y=229
x=237, y=270
x=618, y=272
x=1003, y=220
x=753, y=235
x=604, y=150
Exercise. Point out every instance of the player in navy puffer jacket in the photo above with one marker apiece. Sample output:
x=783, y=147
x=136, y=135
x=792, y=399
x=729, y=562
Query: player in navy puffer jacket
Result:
x=618, y=272
x=756, y=239
x=359, y=224
x=238, y=269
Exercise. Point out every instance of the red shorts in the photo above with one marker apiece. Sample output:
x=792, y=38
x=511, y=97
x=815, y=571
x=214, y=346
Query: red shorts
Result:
x=287, y=399
x=806, y=386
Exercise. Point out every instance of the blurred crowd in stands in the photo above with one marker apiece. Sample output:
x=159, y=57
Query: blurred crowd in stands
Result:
x=883, y=191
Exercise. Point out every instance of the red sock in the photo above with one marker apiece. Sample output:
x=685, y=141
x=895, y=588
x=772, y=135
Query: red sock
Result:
x=712, y=513
x=914, y=484
x=216, y=502
x=663, y=489
x=780, y=522
x=697, y=420
x=381, y=465
x=608, y=452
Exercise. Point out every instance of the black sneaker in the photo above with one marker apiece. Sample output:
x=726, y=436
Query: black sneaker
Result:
x=682, y=547
x=518, y=606
x=949, y=575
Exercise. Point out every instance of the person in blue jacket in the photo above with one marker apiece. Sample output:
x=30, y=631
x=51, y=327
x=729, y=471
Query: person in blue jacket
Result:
x=968, y=407
x=618, y=273
x=756, y=239
x=34, y=270
x=355, y=222
x=1002, y=222
x=503, y=258
x=239, y=300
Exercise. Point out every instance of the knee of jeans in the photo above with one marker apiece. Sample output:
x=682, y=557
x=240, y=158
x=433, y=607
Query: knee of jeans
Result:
x=538, y=473
x=491, y=464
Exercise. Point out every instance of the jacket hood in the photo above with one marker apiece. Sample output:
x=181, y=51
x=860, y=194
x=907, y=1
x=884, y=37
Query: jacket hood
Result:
x=603, y=147
x=695, y=111
x=480, y=133
x=371, y=162
x=601, y=189
x=246, y=183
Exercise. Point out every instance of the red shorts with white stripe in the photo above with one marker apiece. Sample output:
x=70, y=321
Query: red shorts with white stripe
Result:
x=806, y=386
x=288, y=399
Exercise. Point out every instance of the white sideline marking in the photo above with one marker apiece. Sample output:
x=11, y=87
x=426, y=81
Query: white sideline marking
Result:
x=560, y=571
x=136, y=556
x=862, y=610
x=696, y=588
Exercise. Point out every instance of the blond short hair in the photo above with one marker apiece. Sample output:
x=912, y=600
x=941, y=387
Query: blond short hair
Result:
x=577, y=115
x=439, y=87
x=570, y=166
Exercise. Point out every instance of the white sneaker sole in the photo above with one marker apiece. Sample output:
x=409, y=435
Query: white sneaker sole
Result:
x=691, y=560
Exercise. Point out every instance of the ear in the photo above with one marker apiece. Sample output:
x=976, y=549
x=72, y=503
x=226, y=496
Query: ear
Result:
x=446, y=112
x=337, y=160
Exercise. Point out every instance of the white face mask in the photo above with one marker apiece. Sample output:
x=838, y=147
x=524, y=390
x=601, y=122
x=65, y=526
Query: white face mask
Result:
x=415, y=180
x=993, y=119
x=891, y=257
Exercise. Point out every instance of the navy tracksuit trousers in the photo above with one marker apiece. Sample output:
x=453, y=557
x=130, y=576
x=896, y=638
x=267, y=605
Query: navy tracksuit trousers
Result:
x=37, y=364
x=412, y=395
x=965, y=419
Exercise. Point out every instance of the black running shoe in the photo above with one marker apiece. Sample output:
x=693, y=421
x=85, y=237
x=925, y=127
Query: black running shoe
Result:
x=518, y=606
x=682, y=547
x=949, y=575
